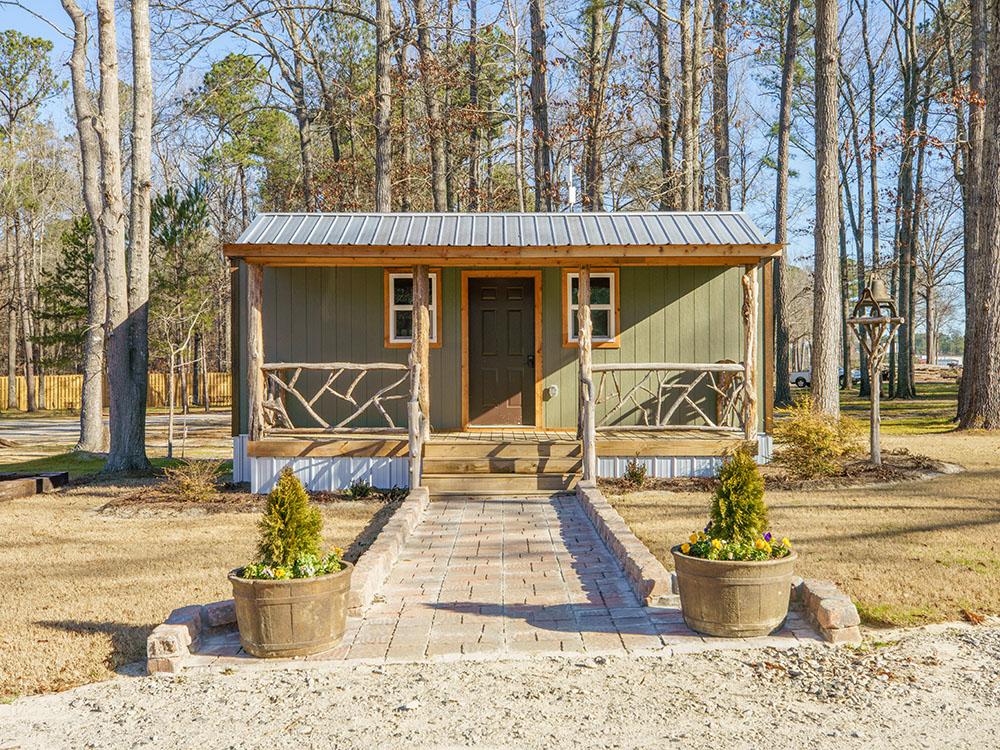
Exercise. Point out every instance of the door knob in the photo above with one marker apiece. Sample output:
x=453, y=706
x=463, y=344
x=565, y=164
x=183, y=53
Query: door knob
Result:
x=531, y=360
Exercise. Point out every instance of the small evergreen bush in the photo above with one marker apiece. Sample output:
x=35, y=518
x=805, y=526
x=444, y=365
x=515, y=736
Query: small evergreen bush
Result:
x=738, y=526
x=290, y=536
x=192, y=481
x=360, y=489
x=738, y=512
x=811, y=442
x=635, y=474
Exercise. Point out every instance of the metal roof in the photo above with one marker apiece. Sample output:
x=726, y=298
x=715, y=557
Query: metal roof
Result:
x=503, y=229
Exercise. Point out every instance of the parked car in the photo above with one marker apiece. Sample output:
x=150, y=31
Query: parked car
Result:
x=803, y=378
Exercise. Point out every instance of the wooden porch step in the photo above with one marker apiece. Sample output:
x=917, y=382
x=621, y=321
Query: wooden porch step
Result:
x=506, y=450
x=504, y=466
x=499, y=484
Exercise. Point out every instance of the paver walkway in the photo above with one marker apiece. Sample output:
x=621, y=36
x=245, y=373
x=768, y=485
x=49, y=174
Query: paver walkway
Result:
x=511, y=576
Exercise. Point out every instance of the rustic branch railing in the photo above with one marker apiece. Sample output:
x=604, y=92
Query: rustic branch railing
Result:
x=656, y=395
x=343, y=380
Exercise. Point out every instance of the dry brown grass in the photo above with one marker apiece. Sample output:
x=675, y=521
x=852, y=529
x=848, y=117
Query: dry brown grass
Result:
x=909, y=553
x=82, y=590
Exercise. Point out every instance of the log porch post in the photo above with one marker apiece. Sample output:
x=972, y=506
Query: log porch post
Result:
x=750, y=314
x=419, y=412
x=255, y=351
x=588, y=426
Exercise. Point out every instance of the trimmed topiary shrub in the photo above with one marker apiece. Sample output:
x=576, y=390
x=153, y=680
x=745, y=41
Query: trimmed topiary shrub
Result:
x=738, y=529
x=812, y=443
x=738, y=512
x=290, y=536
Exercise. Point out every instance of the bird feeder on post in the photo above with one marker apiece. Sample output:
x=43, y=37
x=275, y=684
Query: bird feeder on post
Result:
x=875, y=322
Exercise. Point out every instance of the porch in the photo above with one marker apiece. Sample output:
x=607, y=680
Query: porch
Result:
x=484, y=376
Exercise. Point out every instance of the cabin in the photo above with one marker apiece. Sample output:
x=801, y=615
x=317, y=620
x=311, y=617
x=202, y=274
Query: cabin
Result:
x=500, y=353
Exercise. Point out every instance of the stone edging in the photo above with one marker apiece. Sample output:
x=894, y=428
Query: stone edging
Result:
x=171, y=645
x=372, y=568
x=647, y=576
x=830, y=609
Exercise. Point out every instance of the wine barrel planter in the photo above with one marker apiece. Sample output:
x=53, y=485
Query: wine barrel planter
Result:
x=294, y=617
x=734, y=599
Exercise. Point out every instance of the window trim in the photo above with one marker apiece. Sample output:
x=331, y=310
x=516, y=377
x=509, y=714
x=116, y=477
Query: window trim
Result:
x=434, y=280
x=568, y=309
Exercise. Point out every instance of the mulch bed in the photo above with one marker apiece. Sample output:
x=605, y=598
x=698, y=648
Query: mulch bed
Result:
x=897, y=466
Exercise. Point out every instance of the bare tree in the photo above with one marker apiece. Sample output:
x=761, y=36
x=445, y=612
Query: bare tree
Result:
x=826, y=277
x=92, y=397
x=982, y=408
x=789, y=52
x=541, y=136
x=383, y=105
x=429, y=75
x=720, y=103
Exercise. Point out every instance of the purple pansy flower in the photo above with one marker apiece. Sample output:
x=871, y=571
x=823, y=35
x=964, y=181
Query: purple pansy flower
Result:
x=767, y=537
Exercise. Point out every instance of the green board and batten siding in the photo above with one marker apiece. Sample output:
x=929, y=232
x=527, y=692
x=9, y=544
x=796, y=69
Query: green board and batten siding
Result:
x=668, y=314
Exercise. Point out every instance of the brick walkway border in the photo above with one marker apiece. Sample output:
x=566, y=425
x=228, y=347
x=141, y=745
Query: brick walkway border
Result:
x=647, y=576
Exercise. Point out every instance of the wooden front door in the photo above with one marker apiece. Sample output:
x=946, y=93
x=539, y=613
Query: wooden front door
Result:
x=501, y=351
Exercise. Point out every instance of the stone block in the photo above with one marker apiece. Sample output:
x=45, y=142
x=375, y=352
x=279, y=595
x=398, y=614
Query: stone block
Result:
x=842, y=635
x=189, y=617
x=167, y=641
x=836, y=612
x=217, y=614
x=163, y=666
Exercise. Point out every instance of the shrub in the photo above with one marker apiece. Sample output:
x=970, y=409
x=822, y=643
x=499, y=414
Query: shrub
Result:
x=811, y=442
x=738, y=512
x=193, y=481
x=360, y=489
x=635, y=474
x=738, y=526
x=289, y=545
x=393, y=495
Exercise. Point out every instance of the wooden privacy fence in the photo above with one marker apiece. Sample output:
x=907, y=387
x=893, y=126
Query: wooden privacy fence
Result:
x=63, y=391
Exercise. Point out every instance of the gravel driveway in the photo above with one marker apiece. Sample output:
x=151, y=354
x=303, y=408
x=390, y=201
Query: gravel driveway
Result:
x=929, y=688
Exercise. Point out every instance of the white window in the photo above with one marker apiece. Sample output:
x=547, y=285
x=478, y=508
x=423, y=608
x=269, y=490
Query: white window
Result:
x=603, y=306
x=400, y=307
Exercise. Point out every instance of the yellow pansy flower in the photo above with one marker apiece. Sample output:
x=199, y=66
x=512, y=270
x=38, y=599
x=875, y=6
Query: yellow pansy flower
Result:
x=717, y=544
x=694, y=538
x=786, y=542
x=685, y=548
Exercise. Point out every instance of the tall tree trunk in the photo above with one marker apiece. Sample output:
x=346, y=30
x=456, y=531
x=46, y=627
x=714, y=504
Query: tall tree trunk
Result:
x=92, y=396
x=782, y=389
x=845, y=342
x=541, y=138
x=11, y=327
x=405, y=151
x=428, y=75
x=383, y=105
x=593, y=176
x=931, y=333
x=519, y=180
x=697, y=58
x=720, y=103
x=665, y=121
x=983, y=405
x=474, y=178
x=25, y=316
x=973, y=189
x=826, y=278
x=687, y=109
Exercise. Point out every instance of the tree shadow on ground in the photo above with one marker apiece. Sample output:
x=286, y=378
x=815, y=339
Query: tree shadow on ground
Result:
x=128, y=641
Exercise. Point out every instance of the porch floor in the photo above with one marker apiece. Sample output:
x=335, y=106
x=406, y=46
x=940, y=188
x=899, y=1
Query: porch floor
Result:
x=610, y=442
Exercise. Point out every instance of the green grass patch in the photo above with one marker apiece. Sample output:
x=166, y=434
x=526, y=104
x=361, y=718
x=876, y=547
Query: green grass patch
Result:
x=77, y=464
x=894, y=615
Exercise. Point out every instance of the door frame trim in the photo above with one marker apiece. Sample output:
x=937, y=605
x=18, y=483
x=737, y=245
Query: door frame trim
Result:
x=536, y=275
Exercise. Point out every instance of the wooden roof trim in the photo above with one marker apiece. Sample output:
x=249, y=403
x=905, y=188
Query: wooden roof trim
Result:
x=438, y=253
